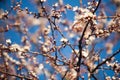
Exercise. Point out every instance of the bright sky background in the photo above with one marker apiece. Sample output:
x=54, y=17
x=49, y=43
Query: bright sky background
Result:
x=15, y=37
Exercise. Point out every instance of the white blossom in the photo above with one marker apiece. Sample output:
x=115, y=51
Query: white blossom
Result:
x=43, y=0
x=14, y=47
x=41, y=66
x=75, y=8
x=64, y=40
x=56, y=4
x=85, y=52
x=8, y=41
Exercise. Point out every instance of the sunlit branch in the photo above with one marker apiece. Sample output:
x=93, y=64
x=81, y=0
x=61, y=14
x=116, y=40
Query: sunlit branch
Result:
x=80, y=41
x=107, y=59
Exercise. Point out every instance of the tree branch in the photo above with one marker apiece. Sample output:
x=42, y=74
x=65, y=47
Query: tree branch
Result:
x=22, y=77
x=80, y=41
x=109, y=58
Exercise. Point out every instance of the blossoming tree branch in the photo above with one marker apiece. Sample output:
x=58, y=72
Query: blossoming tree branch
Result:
x=58, y=40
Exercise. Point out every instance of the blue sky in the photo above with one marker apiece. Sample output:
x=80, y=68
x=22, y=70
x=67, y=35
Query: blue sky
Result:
x=16, y=37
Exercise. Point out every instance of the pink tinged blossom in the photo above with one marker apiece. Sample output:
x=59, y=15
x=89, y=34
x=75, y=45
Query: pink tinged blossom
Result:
x=33, y=73
x=108, y=78
x=109, y=47
x=74, y=73
x=11, y=59
x=44, y=49
x=60, y=2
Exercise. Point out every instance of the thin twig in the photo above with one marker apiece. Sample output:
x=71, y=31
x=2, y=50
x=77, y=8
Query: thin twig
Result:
x=52, y=28
x=109, y=58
